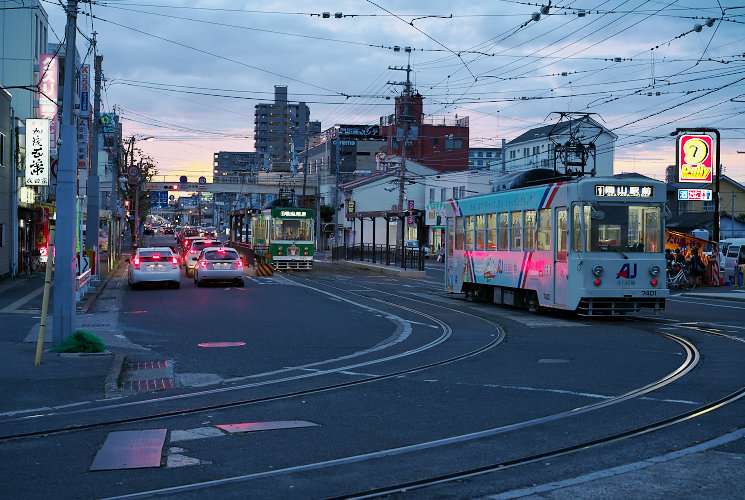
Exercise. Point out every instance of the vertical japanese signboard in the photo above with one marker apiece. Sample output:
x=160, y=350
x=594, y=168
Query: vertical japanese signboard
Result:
x=695, y=162
x=37, y=152
x=85, y=79
x=48, y=96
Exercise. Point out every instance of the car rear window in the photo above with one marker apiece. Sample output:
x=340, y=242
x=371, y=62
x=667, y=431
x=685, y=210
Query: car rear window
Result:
x=226, y=255
x=199, y=245
x=733, y=250
x=154, y=255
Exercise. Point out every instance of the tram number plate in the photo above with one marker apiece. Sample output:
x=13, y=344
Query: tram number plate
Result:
x=649, y=293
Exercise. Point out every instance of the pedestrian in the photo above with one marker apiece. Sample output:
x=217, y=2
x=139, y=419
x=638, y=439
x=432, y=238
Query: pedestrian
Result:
x=669, y=258
x=697, y=266
x=441, y=254
x=679, y=256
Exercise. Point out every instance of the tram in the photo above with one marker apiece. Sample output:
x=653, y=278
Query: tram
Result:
x=287, y=234
x=592, y=245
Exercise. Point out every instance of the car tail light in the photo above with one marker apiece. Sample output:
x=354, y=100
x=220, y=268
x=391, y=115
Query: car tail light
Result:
x=136, y=263
x=203, y=263
x=174, y=262
x=192, y=251
x=239, y=263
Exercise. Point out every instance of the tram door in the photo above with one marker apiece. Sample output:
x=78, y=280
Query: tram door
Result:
x=561, y=276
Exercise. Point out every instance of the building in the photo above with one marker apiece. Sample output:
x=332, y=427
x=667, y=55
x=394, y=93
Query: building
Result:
x=359, y=149
x=281, y=129
x=698, y=213
x=485, y=158
x=7, y=168
x=537, y=148
x=438, y=142
x=23, y=43
x=238, y=167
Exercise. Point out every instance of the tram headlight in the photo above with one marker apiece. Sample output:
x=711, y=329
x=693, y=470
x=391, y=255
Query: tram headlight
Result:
x=654, y=271
x=597, y=271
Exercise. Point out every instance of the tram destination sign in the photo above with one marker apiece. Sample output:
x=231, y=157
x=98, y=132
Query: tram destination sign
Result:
x=617, y=191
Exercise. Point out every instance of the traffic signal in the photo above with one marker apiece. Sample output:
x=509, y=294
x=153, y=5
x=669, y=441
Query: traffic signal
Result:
x=126, y=203
x=175, y=187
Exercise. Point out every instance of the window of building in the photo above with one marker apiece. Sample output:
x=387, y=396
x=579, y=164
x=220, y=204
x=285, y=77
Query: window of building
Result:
x=543, y=235
x=685, y=206
x=709, y=206
x=431, y=195
x=480, y=154
x=2, y=150
x=453, y=143
x=526, y=152
x=443, y=194
x=513, y=154
x=2, y=235
x=435, y=141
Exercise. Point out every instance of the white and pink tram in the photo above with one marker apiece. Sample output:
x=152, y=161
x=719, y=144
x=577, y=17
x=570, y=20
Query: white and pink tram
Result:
x=592, y=244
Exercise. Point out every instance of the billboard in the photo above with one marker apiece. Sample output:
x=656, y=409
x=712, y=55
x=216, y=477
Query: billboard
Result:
x=48, y=81
x=695, y=162
x=37, y=152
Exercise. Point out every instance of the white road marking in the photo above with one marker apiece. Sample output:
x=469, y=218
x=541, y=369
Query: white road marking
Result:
x=18, y=303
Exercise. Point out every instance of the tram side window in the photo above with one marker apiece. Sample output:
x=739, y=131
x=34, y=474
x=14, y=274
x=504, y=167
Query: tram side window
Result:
x=491, y=231
x=516, y=230
x=502, y=231
x=480, y=232
x=460, y=235
x=561, y=235
x=469, y=232
x=543, y=235
x=529, y=245
x=578, y=244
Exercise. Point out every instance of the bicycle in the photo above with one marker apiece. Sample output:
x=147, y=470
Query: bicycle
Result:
x=679, y=278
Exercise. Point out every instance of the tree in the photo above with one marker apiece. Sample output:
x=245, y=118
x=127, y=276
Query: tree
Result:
x=127, y=191
x=327, y=213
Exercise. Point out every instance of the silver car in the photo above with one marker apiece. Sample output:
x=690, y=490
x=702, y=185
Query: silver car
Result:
x=219, y=264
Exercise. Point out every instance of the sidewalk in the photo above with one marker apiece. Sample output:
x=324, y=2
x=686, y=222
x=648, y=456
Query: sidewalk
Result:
x=59, y=379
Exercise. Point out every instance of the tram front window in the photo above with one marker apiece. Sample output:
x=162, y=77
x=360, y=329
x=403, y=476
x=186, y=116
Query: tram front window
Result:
x=289, y=229
x=625, y=228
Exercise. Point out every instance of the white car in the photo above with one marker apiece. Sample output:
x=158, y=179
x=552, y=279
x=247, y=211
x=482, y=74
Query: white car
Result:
x=196, y=247
x=154, y=265
x=219, y=264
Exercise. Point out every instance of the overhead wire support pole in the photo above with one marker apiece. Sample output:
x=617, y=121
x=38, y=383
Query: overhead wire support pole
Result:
x=65, y=276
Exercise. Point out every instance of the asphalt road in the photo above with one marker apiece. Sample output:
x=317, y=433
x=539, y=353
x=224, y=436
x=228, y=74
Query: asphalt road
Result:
x=393, y=380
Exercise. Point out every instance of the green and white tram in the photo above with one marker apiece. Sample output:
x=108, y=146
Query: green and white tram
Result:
x=287, y=234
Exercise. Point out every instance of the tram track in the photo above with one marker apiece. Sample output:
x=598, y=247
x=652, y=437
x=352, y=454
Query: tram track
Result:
x=446, y=332
x=692, y=358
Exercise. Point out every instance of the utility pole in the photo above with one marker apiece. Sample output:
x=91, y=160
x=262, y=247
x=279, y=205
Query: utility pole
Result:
x=337, y=147
x=94, y=187
x=406, y=120
x=64, y=280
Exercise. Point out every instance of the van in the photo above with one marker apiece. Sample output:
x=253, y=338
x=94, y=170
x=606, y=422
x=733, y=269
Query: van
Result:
x=734, y=255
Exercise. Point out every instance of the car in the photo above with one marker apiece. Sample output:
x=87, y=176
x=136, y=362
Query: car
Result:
x=192, y=254
x=153, y=265
x=184, y=244
x=168, y=230
x=414, y=244
x=219, y=264
x=148, y=230
x=734, y=256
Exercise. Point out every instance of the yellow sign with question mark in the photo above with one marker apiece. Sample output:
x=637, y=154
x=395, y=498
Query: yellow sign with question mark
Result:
x=695, y=158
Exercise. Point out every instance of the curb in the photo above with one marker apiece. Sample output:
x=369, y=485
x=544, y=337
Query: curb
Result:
x=93, y=300
x=111, y=386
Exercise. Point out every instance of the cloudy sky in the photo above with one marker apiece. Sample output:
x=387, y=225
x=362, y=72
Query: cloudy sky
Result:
x=190, y=72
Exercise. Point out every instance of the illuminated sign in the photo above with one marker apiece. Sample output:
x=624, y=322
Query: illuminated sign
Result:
x=695, y=194
x=37, y=152
x=613, y=191
x=292, y=213
x=48, y=96
x=695, y=158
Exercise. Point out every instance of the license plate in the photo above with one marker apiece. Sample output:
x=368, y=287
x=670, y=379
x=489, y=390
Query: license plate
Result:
x=222, y=266
x=156, y=267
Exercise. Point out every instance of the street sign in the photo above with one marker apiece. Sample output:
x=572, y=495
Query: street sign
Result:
x=202, y=180
x=182, y=179
x=695, y=194
x=133, y=170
